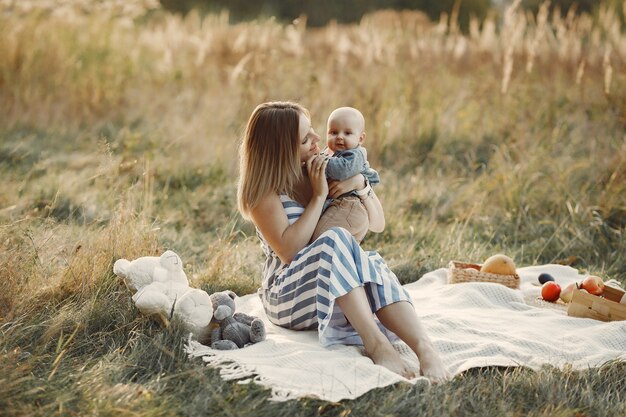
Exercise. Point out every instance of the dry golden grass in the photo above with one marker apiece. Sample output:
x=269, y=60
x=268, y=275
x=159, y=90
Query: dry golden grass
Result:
x=119, y=135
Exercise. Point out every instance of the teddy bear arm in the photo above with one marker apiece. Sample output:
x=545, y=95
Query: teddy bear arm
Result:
x=244, y=318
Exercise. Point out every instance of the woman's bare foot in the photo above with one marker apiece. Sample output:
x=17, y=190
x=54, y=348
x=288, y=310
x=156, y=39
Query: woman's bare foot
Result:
x=385, y=355
x=432, y=367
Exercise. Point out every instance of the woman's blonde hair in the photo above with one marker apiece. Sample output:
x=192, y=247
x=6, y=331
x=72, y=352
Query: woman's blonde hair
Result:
x=268, y=156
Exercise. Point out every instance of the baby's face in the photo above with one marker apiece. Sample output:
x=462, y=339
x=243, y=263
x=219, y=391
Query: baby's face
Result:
x=344, y=132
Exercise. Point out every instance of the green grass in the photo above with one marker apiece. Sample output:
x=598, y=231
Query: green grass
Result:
x=120, y=140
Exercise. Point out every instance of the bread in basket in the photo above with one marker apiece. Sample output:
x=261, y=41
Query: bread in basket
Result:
x=459, y=272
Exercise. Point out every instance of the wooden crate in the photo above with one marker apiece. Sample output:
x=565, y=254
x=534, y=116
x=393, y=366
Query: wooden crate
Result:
x=605, y=308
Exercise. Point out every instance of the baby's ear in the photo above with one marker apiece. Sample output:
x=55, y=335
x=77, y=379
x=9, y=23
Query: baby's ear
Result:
x=362, y=138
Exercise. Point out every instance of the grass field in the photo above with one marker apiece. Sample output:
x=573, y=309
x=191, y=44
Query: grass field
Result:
x=119, y=130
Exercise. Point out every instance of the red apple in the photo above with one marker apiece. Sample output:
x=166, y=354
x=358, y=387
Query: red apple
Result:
x=550, y=291
x=593, y=284
x=568, y=292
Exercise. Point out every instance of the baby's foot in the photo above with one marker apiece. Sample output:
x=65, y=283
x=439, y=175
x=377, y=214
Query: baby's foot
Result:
x=432, y=367
x=385, y=355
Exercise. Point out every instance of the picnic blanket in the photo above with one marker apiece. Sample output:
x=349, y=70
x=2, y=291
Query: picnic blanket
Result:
x=471, y=325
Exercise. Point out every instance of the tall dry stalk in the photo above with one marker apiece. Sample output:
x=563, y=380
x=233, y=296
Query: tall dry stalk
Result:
x=539, y=35
x=512, y=32
x=608, y=70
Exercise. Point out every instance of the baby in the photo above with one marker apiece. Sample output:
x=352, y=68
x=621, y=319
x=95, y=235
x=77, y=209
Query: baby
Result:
x=347, y=158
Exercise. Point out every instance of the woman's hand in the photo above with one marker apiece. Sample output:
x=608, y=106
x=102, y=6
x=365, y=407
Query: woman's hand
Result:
x=337, y=188
x=316, y=167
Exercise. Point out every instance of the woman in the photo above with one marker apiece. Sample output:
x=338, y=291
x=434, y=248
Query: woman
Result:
x=330, y=284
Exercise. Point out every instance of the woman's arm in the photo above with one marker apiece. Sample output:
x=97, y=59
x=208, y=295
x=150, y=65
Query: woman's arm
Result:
x=372, y=204
x=269, y=216
x=375, y=212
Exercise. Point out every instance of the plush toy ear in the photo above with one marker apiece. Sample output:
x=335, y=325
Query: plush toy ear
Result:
x=231, y=294
x=171, y=261
x=120, y=267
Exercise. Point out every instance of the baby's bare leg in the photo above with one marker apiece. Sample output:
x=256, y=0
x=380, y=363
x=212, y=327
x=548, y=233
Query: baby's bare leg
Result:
x=402, y=319
x=356, y=308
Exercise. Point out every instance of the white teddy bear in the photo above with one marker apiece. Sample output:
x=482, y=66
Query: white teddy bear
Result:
x=163, y=291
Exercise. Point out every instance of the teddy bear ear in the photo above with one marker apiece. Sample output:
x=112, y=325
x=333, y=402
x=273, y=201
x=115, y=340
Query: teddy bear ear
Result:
x=120, y=267
x=231, y=294
x=170, y=258
x=169, y=254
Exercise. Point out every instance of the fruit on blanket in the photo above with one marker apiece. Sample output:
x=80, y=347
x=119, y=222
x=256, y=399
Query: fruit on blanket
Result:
x=593, y=284
x=550, y=291
x=568, y=292
x=545, y=277
x=499, y=264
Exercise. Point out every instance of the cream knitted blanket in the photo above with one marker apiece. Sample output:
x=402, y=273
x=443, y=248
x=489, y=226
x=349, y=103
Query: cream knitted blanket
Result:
x=471, y=324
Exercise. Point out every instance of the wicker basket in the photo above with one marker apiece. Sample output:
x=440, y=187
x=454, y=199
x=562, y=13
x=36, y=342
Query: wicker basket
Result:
x=459, y=272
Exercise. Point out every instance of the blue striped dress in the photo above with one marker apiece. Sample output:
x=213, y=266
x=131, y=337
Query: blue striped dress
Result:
x=302, y=294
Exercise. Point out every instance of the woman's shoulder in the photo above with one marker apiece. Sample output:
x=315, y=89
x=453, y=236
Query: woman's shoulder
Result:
x=273, y=201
